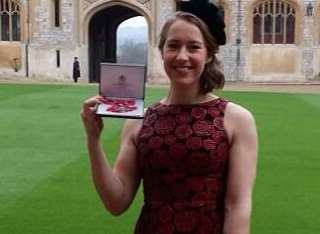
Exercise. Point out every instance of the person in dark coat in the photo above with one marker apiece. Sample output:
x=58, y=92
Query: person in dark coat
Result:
x=76, y=70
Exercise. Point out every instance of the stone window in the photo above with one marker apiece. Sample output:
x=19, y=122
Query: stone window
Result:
x=56, y=13
x=10, y=26
x=274, y=22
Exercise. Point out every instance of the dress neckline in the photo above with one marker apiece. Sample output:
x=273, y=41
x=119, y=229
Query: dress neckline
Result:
x=214, y=100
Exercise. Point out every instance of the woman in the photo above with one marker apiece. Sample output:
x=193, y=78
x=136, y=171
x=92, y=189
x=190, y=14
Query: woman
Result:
x=195, y=152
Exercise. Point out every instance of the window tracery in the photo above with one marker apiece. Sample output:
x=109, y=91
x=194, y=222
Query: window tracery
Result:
x=274, y=22
x=10, y=25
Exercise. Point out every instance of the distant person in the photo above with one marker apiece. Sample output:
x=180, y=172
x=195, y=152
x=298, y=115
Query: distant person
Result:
x=76, y=70
x=194, y=152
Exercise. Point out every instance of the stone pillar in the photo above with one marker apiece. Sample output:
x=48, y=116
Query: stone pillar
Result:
x=308, y=43
x=162, y=10
x=234, y=54
x=243, y=46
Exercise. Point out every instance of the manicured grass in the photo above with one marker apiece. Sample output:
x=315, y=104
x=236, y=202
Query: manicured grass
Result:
x=45, y=181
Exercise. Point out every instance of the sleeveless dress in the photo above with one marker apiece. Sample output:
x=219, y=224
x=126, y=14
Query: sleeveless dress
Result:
x=183, y=161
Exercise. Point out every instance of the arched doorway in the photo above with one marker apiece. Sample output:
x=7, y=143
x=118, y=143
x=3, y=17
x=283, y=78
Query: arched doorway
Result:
x=103, y=37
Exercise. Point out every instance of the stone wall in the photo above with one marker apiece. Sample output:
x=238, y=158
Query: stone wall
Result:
x=237, y=55
x=49, y=35
x=48, y=39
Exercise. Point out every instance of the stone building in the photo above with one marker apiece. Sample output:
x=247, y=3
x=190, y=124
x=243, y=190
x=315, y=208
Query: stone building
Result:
x=267, y=40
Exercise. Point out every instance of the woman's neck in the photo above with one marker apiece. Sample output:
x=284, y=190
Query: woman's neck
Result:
x=185, y=96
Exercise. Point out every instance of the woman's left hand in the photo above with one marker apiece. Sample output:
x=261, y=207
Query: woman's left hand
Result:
x=93, y=123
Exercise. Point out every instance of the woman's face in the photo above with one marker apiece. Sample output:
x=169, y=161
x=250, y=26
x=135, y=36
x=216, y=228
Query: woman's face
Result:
x=184, y=53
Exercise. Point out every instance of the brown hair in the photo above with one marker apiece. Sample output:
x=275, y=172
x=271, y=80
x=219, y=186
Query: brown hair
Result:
x=212, y=77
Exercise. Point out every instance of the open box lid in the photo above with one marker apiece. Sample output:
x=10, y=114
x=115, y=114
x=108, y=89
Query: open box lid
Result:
x=123, y=89
x=122, y=80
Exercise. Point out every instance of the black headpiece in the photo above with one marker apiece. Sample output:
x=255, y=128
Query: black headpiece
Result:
x=209, y=14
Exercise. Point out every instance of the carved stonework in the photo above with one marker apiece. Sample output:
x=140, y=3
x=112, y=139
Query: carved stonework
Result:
x=146, y=3
x=87, y=3
x=167, y=9
x=90, y=1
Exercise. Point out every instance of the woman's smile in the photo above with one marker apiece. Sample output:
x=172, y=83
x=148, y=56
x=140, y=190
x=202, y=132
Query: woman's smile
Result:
x=182, y=68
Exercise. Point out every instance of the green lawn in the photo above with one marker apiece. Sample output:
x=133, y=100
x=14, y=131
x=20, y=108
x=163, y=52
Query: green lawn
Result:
x=45, y=183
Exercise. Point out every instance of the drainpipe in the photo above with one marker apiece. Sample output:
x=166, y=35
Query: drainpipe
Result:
x=28, y=39
x=238, y=41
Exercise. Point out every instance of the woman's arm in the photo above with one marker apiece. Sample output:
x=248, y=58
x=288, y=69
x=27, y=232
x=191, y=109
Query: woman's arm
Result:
x=241, y=130
x=116, y=186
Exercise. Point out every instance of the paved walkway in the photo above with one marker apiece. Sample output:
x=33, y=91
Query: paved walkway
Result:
x=294, y=87
x=307, y=87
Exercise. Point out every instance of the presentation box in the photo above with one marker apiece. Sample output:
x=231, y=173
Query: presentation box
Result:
x=122, y=87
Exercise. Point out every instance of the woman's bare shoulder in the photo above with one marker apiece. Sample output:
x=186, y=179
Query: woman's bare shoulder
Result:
x=237, y=112
x=238, y=121
x=131, y=128
x=132, y=124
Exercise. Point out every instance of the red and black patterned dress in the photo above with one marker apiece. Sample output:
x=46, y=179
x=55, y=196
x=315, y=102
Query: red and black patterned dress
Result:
x=183, y=160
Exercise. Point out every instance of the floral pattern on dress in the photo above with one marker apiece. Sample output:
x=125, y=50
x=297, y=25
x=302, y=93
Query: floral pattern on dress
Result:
x=183, y=161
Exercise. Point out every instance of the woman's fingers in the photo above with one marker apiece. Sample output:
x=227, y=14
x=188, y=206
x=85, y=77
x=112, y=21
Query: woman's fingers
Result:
x=91, y=102
x=90, y=106
x=92, y=123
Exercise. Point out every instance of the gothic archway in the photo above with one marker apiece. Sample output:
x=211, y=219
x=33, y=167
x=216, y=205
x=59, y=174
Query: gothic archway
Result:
x=102, y=36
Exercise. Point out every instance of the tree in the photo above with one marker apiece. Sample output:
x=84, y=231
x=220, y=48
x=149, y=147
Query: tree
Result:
x=132, y=53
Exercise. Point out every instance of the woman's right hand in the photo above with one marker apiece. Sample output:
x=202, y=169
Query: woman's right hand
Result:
x=93, y=123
